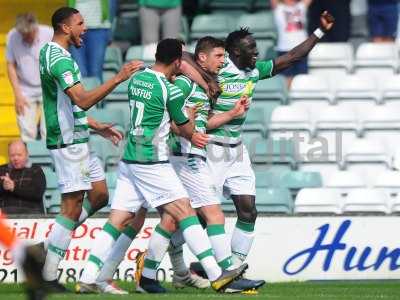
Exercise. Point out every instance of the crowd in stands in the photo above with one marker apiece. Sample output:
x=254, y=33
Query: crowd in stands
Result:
x=22, y=185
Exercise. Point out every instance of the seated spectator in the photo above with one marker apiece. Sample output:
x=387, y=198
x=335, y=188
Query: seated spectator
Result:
x=383, y=16
x=21, y=185
x=291, y=18
x=24, y=42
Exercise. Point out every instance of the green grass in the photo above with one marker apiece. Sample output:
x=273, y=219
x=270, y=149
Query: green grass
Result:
x=351, y=290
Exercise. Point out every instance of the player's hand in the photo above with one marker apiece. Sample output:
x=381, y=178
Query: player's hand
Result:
x=199, y=139
x=128, y=69
x=240, y=107
x=109, y=132
x=8, y=183
x=327, y=21
x=20, y=104
x=191, y=112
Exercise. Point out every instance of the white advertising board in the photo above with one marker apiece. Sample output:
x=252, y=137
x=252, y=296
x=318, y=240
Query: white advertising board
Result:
x=285, y=248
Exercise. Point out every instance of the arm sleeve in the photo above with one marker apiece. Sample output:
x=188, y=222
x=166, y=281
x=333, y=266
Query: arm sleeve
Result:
x=185, y=85
x=10, y=45
x=65, y=73
x=32, y=189
x=176, y=106
x=265, y=68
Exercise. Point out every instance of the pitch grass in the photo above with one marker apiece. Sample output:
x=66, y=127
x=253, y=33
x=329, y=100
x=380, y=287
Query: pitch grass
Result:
x=349, y=290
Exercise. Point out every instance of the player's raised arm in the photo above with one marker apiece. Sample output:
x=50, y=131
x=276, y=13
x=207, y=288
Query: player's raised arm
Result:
x=86, y=99
x=302, y=50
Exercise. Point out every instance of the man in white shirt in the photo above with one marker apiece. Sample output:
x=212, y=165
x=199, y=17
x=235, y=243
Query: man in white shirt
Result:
x=24, y=42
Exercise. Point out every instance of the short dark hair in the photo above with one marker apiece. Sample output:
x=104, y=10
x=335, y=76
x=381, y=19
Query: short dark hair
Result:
x=60, y=15
x=234, y=38
x=168, y=50
x=206, y=44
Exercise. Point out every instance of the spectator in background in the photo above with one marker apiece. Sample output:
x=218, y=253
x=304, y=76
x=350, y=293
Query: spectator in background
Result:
x=291, y=19
x=21, y=185
x=152, y=13
x=340, y=10
x=97, y=16
x=383, y=16
x=24, y=42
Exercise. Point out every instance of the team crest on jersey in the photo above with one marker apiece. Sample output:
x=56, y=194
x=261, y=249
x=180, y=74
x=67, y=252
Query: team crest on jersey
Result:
x=68, y=77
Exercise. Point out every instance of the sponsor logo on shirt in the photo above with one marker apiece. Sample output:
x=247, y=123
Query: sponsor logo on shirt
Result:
x=233, y=87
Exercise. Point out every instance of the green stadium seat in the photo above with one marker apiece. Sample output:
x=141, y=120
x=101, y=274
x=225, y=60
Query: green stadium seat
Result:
x=270, y=177
x=51, y=188
x=266, y=49
x=112, y=59
x=106, y=151
x=185, y=30
x=90, y=83
x=111, y=116
x=144, y=53
x=296, y=180
x=120, y=93
x=261, y=5
x=217, y=25
x=53, y=204
x=39, y=154
x=274, y=200
x=127, y=28
x=227, y=205
x=262, y=25
x=280, y=151
x=255, y=121
x=108, y=75
x=274, y=89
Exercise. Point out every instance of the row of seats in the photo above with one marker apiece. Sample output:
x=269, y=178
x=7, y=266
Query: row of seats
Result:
x=357, y=200
x=343, y=56
x=345, y=87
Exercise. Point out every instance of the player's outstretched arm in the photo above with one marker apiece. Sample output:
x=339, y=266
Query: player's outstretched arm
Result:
x=297, y=53
x=107, y=131
x=86, y=99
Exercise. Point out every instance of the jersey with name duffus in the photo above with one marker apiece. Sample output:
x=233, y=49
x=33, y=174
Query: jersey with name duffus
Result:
x=66, y=123
x=235, y=83
x=195, y=96
x=153, y=103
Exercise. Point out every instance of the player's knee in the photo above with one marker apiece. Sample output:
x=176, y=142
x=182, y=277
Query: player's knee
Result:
x=248, y=215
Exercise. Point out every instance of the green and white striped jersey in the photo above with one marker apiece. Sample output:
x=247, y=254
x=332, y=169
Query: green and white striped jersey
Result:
x=153, y=102
x=195, y=96
x=235, y=83
x=66, y=123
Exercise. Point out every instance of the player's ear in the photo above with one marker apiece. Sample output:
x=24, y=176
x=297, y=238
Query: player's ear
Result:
x=202, y=56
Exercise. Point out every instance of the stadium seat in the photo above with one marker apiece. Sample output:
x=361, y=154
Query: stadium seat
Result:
x=108, y=153
x=255, y=121
x=262, y=25
x=217, y=25
x=227, y=205
x=273, y=151
x=296, y=180
x=274, y=200
x=112, y=59
x=39, y=154
x=318, y=200
x=366, y=201
x=50, y=195
x=310, y=87
x=344, y=180
x=266, y=49
x=271, y=89
x=356, y=87
x=337, y=117
x=333, y=56
x=118, y=117
x=119, y=94
x=389, y=87
x=292, y=118
x=388, y=180
x=269, y=177
x=380, y=117
x=127, y=28
x=266, y=106
x=367, y=151
x=382, y=58
x=146, y=53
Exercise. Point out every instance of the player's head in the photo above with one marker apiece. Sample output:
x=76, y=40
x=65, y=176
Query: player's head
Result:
x=69, y=22
x=210, y=53
x=169, y=54
x=27, y=25
x=242, y=48
x=18, y=154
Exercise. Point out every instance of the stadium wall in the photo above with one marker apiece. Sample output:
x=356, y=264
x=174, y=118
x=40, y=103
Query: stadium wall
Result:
x=285, y=249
